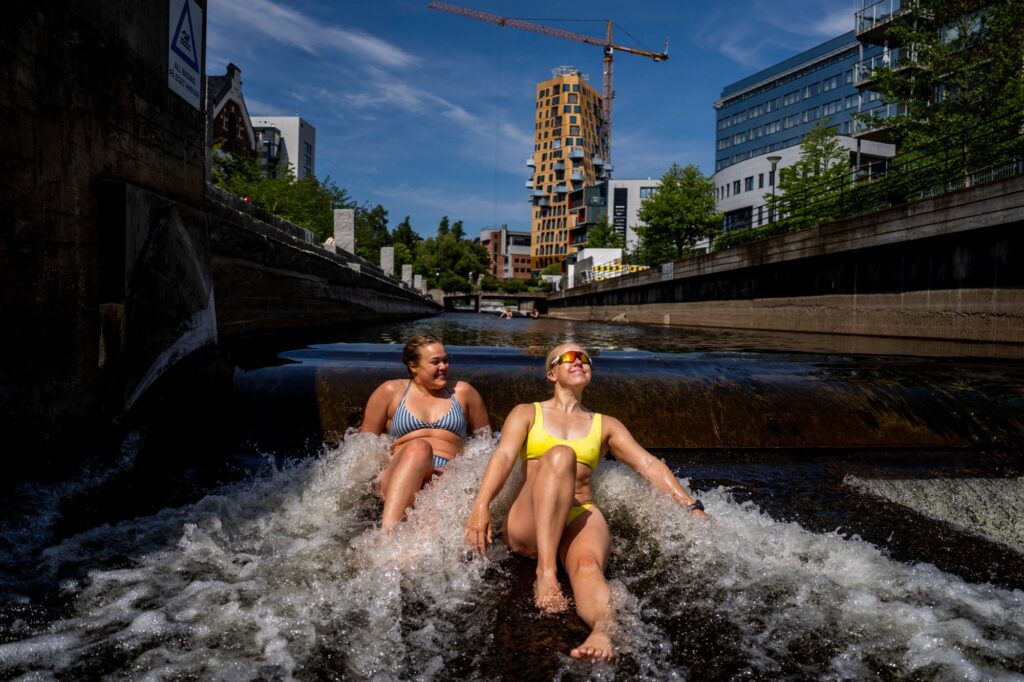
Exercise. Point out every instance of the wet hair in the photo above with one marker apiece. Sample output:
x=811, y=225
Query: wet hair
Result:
x=411, y=352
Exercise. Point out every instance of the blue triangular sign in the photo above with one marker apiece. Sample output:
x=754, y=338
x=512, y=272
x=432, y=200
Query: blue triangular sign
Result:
x=185, y=38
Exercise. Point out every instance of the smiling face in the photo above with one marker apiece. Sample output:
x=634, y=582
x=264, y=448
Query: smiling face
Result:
x=569, y=374
x=430, y=369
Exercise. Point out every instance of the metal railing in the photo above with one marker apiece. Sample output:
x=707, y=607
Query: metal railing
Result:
x=877, y=14
x=988, y=153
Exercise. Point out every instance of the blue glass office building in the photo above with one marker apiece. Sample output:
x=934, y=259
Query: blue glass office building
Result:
x=767, y=114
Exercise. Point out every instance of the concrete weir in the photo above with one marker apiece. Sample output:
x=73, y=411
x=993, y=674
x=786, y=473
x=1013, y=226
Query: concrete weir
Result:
x=945, y=268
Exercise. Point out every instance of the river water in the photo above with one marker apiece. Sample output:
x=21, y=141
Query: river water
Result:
x=867, y=522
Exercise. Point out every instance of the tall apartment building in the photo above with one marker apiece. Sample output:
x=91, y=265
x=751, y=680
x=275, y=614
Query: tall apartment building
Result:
x=509, y=252
x=568, y=154
x=286, y=141
x=762, y=119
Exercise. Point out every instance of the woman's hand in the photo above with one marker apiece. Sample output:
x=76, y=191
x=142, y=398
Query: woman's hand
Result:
x=478, y=528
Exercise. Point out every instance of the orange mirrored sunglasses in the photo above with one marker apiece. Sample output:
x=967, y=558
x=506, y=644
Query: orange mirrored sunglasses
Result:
x=572, y=356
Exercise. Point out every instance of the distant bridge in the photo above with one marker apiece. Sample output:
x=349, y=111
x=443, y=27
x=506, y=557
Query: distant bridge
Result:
x=538, y=300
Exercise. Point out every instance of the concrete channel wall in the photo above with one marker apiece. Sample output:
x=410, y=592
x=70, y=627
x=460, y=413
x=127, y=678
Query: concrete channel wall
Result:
x=117, y=261
x=948, y=268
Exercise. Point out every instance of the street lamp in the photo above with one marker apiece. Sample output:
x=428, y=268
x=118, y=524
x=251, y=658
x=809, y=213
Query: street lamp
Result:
x=774, y=161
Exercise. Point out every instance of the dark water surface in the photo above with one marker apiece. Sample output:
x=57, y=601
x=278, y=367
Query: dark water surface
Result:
x=868, y=521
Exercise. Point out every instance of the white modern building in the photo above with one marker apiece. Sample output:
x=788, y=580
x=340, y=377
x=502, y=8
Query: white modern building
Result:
x=288, y=141
x=618, y=199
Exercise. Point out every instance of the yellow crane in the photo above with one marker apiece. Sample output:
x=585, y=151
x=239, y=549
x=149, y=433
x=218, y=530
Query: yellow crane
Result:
x=605, y=43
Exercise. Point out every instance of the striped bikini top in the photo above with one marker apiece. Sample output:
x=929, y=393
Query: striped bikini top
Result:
x=405, y=422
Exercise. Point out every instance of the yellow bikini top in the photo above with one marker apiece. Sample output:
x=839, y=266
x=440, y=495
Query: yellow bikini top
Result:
x=539, y=441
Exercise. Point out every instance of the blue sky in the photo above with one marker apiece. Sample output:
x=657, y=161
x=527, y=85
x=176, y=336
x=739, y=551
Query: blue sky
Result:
x=431, y=114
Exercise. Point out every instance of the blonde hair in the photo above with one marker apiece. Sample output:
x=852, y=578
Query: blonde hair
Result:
x=411, y=352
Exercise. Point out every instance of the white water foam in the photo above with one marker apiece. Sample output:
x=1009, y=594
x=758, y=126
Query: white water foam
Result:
x=288, y=577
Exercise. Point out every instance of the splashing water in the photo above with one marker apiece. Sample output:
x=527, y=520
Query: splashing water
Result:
x=288, y=576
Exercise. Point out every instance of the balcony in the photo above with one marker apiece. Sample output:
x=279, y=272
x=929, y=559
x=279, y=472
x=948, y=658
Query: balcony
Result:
x=529, y=184
x=537, y=193
x=530, y=163
x=576, y=153
x=598, y=161
x=561, y=189
x=872, y=23
x=558, y=165
x=543, y=202
x=864, y=72
x=877, y=131
x=577, y=176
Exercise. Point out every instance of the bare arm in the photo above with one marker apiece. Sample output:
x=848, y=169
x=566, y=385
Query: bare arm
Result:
x=375, y=416
x=650, y=468
x=479, y=533
x=476, y=412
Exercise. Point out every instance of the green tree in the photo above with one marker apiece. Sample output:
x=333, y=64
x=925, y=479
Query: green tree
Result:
x=448, y=262
x=809, y=191
x=958, y=71
x=308, y=203
x=371, y=232
x=604, y=236
x=680, y=213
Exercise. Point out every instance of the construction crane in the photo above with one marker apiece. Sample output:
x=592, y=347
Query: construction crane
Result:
x=606, y=43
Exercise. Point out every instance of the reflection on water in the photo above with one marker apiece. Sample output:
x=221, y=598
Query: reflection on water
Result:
x=821, y=563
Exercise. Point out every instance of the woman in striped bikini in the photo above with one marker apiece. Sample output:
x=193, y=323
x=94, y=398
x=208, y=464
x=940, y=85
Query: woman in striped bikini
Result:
x=553, y=516
x=449, y=411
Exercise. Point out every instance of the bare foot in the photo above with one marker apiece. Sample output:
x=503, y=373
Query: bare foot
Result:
x=548, y=597
x=597, y=647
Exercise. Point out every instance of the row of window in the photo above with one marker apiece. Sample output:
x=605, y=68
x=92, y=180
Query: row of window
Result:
x=796, y=75
x=789, y=99
x=806, y=116
x=563, y=87
x=844, y=128
x=723, y=191
x=551, y=249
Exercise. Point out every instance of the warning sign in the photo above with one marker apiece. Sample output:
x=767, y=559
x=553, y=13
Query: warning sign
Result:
x=185, y=49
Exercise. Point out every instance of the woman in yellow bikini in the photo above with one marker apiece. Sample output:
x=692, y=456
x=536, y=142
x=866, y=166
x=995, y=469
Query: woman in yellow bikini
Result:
x=553, y=516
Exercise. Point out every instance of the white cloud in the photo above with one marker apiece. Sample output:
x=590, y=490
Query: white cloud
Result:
x=284, y=25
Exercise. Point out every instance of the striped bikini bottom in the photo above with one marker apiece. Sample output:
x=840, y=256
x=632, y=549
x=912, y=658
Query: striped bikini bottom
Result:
x=439, y=462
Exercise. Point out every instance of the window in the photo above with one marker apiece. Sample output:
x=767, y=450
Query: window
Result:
x=748, y=184
x=790, y=98
x=572, y=97
x=739, y=138
x=851, y=101
x=724, y=123
x=773, y=127
x=576, y=87
x=830, y=83
x=556, y=144
x=773, y=105
x=811, y=115
x=723, y=143
x=848, y=77
x=811, y=90
x=647, y=192
x=567, y=109
x=735, y=186
x=554, y=100
x=574, y=130
x=576, y=109
x=760, y=180
x=791, y=120
x=572, y=119
x=832, y=107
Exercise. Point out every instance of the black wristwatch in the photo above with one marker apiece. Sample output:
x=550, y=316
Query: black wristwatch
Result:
x=695, y=505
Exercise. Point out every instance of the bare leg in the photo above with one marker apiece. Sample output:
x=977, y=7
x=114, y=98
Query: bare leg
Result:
x=553, y=489
x=409, y=470
x=585, y=551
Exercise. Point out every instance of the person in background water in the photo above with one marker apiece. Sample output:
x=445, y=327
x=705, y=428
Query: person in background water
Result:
x=560, y=443
x=428, y=416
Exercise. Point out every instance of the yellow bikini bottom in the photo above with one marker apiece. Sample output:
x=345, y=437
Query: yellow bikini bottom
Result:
x=576, y=510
